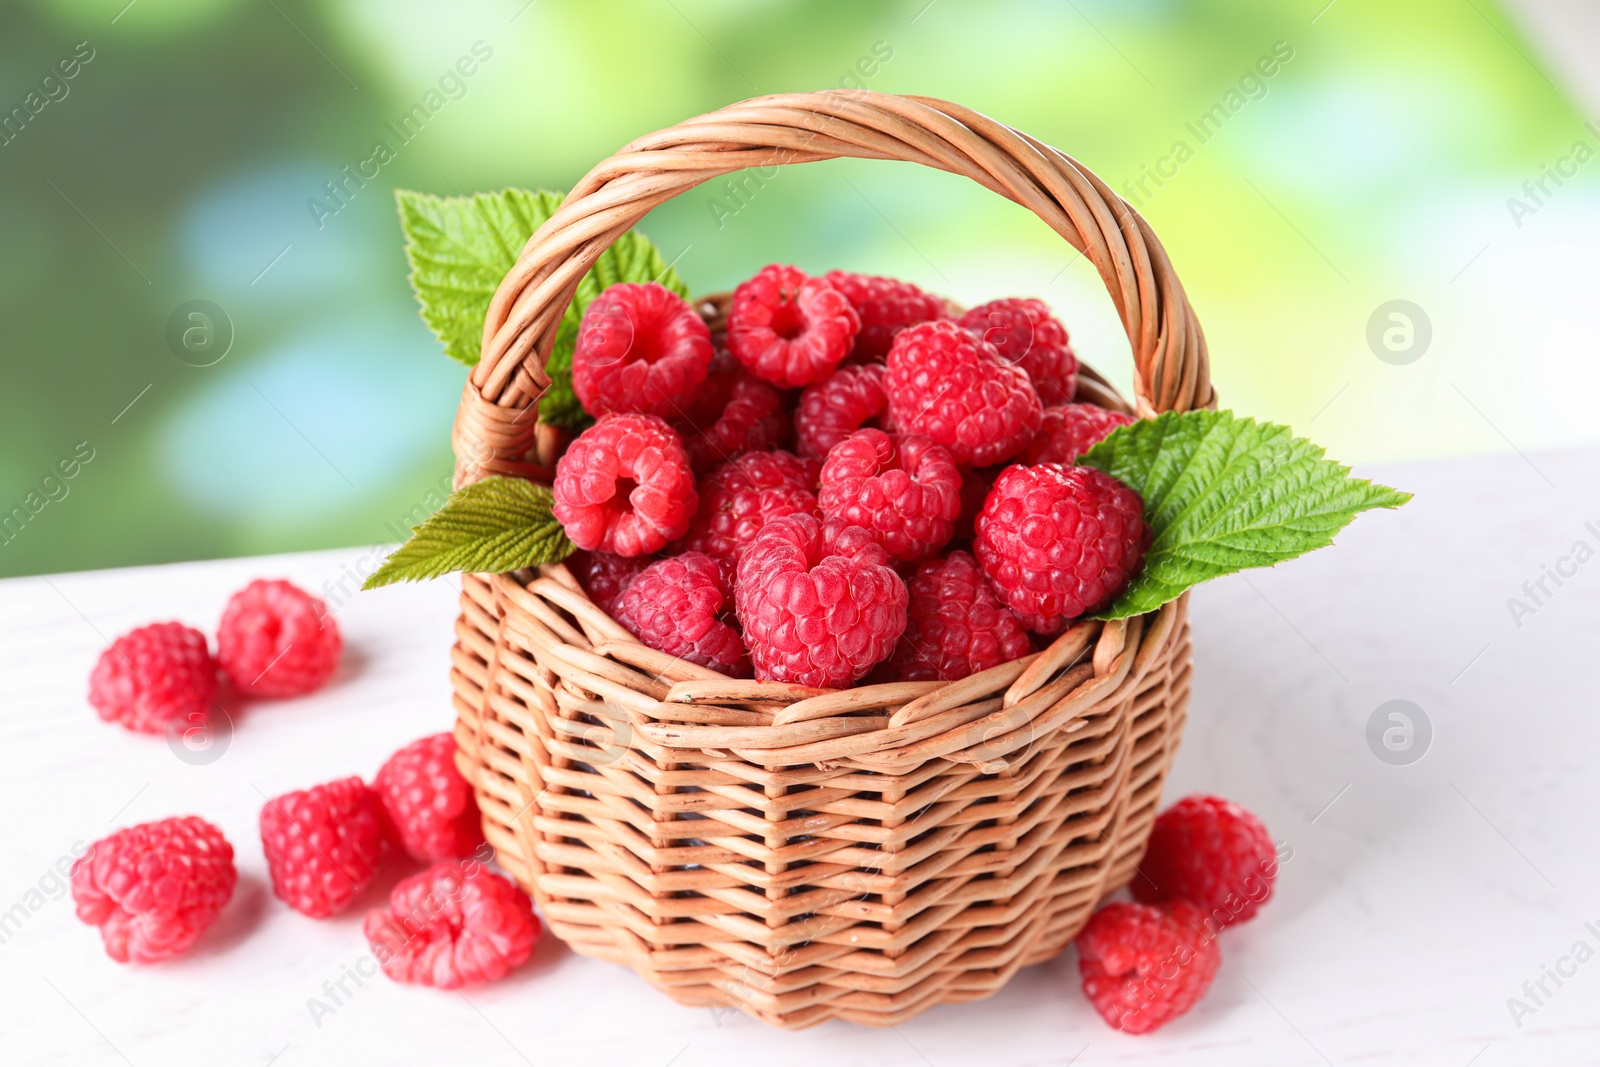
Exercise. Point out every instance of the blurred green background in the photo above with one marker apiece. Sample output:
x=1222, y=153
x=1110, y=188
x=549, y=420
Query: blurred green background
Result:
x=181, y=159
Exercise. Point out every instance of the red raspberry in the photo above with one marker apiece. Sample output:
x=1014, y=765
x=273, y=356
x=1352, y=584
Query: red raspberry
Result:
x=750, y=418
x=1025, y=333
x=948, y=385
x=154, y=675
x=1144, y=966
x=683, y=606
x=640, y=347
x=739, y=498
x=790, y=329
x=1058, y=542
x=955, y=625
x=904, y=489
x=1212, y=852
x=1069, y=430
x=606, y=577
x=886, y=306
x=839, y=405
x=624, y=486
x=152, y=889
x=455, y=924
x=819, y=603
x=428, y=803
x=277, y=640
x=323, y=845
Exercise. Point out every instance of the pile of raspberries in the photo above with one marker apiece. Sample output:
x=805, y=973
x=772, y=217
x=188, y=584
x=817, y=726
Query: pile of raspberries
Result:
x=154, y=888
x=1210, y=864
x=852, y=481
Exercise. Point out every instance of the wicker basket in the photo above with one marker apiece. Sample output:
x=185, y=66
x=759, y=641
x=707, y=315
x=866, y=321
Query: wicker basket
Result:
x=802, y=854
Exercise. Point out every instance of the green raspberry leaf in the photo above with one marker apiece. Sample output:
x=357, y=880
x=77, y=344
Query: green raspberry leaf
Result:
x=459, y=249
x=1223, y=494
x=488, y=527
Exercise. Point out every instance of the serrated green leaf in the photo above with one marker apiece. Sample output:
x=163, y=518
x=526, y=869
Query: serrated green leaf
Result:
x=460, y=248
x=492, y=526
x=1223, y=494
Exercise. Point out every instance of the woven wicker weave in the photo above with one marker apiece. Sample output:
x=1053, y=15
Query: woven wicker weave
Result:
x=804, y=854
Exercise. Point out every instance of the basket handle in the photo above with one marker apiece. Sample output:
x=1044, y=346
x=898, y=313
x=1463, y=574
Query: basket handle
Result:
x=494, y=433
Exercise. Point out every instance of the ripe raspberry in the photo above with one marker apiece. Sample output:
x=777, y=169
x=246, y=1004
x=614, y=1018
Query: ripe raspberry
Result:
x=1067, y=431
x=1059, y=542
x=886, y=306
x=154, y=675
x=904, y=489
x=323, y=845
x=683, y=606
x=1212, y=852
x=606, y=577
x=955, y=625
x=839, y=405
x=642, y=348
x=152, y=889
x=277, y=640
x=790, y=329
x=455, y=924
x=1144, y=966
x=818, y=601
x=624, y=486
x=428, y=803
x=739, y=498
x=948, y=385
x=1025, y=333
x=750, y=418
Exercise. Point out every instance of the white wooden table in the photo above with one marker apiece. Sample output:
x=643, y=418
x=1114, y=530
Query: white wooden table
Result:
x=1419, y=898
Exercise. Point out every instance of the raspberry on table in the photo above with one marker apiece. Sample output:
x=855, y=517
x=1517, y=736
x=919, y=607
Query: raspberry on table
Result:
x=1144, y=966
x=790, y=329
x=153, y=676
x=886, y=306
x=1025, y=333
x=751, y=418
x=323, y=845
x=606, y=577
x=1059, y=542
x=455, y=924
x=1212, y=852
x=429, y=805
x=152, y=889
x=276, y=640
x=683, y=606
x=624, y=486
x=818, y=601
x=903, y=488
x=640, y=348
x=950, y=386
x=1067, y=431
x=839, y=405
x=740, y=497
x=955, y=625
